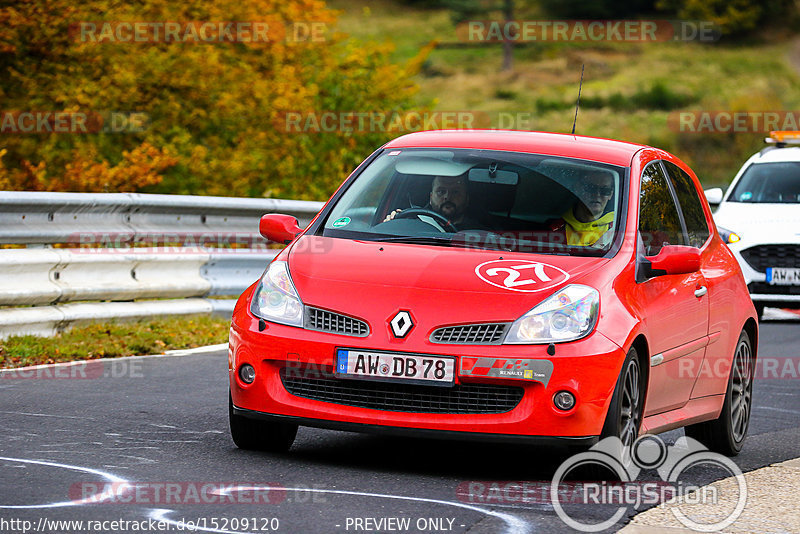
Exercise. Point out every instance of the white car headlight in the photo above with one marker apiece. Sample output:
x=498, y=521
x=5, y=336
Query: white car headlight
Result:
x=275, y=298
x=567, y=315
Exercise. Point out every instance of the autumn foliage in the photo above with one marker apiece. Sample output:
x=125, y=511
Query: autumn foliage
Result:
x=211, y=106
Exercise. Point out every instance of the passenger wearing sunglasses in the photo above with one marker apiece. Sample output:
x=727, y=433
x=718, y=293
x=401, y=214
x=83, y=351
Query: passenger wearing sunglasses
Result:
x=587, y=223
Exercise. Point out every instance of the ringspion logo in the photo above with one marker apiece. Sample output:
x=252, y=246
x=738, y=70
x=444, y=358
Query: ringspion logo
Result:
x=671, y=463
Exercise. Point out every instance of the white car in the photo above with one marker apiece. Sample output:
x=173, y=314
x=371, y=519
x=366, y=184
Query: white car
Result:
x=759, y=218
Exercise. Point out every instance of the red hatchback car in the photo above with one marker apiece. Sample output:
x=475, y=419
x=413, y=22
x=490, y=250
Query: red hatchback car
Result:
x=499, y=285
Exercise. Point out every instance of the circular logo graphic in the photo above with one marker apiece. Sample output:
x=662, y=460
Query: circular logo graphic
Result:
x=384, y=368
x=341, y=221
x=675, y=489
x=649, y=452
x=521, y=275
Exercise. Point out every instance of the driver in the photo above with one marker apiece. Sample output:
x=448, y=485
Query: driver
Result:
x=449, y=198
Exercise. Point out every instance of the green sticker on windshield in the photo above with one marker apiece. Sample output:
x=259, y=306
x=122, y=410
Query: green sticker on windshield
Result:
x=341, y=221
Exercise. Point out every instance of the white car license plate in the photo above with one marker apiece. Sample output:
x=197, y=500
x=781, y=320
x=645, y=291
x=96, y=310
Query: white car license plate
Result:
x=395, y=367
x=783, y=276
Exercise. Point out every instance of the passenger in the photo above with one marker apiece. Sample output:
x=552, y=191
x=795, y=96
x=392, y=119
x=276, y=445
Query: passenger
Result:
x=587, y=223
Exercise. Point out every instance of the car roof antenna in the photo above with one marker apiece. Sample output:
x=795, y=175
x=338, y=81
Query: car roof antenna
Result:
x=578, y=103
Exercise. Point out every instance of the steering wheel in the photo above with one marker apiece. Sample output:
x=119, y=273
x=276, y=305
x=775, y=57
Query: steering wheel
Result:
x=414, y=212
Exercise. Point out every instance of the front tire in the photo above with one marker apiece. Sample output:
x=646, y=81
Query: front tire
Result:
x=255, y=435
x=625, y=411
x=726, y=434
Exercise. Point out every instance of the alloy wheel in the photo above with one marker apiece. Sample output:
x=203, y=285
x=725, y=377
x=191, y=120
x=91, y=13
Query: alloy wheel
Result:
x=741, y=390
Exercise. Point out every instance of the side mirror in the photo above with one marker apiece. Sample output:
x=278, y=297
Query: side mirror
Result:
x=674, y=259
x=279, y=228
x=714, y=196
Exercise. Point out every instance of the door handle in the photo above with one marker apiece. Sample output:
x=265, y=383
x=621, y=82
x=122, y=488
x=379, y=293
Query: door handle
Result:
x=700, y=291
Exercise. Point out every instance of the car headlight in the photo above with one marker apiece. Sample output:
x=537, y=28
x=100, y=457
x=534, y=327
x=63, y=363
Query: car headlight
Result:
x=275, y=298
x=728, y=236
x=569, y=314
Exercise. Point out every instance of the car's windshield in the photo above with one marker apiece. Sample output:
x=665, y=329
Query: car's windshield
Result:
x=769, y=183
x=481, y=198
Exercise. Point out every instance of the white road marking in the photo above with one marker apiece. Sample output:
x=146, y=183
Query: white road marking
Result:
x=772, y=409
x=514, y=525
x=167, y=354
x=93, y=499
x=48, y=415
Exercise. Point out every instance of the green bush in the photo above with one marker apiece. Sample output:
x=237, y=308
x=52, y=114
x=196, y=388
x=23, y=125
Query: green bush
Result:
x=658, y=97
x=505, y=94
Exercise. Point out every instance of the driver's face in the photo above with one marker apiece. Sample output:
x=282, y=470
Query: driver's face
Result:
x=449, y=197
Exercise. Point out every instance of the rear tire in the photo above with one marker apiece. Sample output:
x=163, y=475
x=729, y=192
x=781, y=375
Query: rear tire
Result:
x=625, y=411
x=726, y=434
x=255, y=435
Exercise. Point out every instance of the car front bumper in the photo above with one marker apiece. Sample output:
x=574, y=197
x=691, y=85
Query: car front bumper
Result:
x=760, y=290
x=588, y=368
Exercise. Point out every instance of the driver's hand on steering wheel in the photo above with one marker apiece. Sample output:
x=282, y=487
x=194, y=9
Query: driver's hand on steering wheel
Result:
x=392, y=215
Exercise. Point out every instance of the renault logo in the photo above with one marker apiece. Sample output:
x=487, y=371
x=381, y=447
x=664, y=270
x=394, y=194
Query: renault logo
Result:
x=401, y=324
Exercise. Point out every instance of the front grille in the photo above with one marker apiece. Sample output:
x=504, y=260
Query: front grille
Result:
x=761, y=257
x=763, y=288
x=471, y=334
x=335, y=323
x=462, y=399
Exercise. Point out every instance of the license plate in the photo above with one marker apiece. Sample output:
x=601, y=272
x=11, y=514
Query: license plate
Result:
x=783, y=276
x=395, y=367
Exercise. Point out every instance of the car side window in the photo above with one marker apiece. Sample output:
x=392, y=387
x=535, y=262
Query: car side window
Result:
x=659, y=222
x=689, y=201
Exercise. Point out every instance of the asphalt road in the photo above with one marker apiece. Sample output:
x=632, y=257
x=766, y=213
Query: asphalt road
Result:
x=161, y=425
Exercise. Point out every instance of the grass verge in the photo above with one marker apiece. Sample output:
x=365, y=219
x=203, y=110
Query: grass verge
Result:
x=112, y=340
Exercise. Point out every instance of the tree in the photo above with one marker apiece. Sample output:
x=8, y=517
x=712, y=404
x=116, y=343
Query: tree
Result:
x=470, y=10
x=734, y=16
x=212, y=109
x=598, y=9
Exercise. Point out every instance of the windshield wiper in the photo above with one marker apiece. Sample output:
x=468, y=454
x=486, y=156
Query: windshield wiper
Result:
x=416, y=240
x=514, y=246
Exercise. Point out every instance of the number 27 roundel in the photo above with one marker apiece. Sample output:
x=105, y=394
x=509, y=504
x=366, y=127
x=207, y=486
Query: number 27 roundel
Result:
x=521, y=275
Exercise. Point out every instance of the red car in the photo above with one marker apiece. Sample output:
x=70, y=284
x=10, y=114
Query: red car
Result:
x=499, y=285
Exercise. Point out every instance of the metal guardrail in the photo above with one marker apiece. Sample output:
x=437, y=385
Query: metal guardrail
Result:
x=53, y=276
x=55, y=280
x=48, y=320
x=48, y=218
